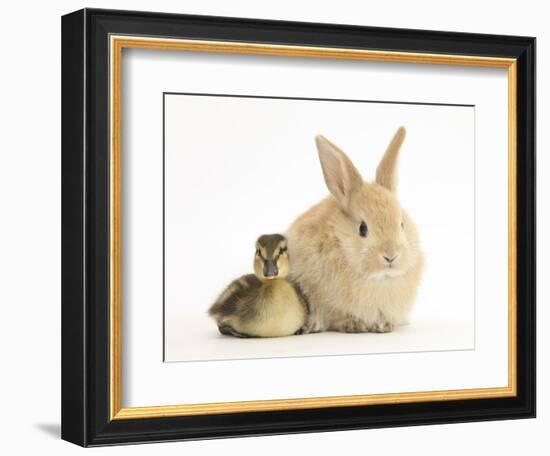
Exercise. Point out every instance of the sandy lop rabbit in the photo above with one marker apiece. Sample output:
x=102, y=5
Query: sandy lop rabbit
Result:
x=356, y=254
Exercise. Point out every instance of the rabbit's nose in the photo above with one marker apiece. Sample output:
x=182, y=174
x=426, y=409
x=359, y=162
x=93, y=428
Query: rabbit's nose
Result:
x=391, y=259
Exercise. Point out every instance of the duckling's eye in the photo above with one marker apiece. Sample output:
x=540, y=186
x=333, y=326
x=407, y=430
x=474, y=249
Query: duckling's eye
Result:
x=402, y=226
x=363, y=230
x=259, y=253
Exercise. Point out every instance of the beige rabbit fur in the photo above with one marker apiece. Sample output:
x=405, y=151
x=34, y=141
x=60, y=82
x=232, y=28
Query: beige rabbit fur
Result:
x=356, y=254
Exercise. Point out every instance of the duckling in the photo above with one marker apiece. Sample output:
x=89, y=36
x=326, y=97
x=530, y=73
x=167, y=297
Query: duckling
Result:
x=263, y=304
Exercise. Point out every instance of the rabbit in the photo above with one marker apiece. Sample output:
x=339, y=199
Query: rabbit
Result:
x=356, y=254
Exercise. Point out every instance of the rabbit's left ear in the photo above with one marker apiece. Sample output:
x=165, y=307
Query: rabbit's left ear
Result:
x=386, y=173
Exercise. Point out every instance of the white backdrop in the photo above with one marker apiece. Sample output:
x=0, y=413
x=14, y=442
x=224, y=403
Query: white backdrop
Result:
x=236, y=168
x=30, y=200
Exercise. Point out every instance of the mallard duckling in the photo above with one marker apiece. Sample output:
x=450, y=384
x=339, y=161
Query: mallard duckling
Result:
x=264, y=304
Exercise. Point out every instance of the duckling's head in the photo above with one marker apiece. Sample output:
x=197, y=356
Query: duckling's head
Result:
x=271, y=259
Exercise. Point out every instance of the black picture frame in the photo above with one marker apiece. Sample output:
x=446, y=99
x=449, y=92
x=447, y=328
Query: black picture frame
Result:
x=85, y=228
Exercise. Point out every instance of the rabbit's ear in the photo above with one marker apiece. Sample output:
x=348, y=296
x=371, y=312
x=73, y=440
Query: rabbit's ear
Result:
x=341, y=177
x=386, y=173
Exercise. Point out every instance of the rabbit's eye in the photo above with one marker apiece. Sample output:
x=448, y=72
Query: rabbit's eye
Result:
x=363, y=230
x=402, y=226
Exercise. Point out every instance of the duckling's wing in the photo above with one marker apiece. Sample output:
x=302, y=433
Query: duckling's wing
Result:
x=240, y=290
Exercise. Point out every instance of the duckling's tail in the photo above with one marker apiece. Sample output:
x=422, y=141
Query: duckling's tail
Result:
x=227, y=330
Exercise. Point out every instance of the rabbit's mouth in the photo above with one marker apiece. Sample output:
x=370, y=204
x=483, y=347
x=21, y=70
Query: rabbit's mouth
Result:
x=388, y=272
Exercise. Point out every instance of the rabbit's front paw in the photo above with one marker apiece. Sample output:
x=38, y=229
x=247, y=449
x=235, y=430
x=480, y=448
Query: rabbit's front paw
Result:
x=350, y=325
x=309, y=327
x=381, y=327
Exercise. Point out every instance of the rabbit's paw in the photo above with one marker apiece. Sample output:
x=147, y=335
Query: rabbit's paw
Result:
x=381, y=327
x=310, y=327
x=350, y=325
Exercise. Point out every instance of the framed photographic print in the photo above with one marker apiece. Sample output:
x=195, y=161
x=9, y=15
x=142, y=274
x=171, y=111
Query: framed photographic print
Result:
x=278, y=227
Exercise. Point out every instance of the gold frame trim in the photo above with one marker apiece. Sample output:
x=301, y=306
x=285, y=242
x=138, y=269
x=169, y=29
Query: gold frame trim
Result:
x=117, y=44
